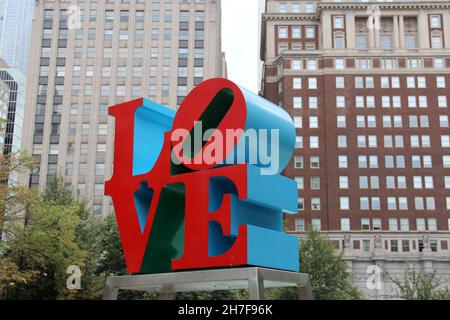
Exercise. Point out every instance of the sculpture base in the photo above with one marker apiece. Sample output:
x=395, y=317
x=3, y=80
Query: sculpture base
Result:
x=254, y=279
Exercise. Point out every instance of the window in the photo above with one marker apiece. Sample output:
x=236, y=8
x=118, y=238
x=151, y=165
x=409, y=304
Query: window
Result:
x=296, y=32
x=312, y=64
x=343, y=162
x=316, y=224
x=298, y=142
x=447, y=182
x=339, y=41
x=364, y=203
x=315, y=183
x=310, y=32
x=432, y=224
x=343, y=182
x=339, y=63
x=312, y=83
x=314, y=142
x=342, y=141
x=442, y=101
x=439, y=63
x=344, y=203
x=300, y=184
x=404, y=224
x=410, y=41
x=443, y=121
x=393, y=225
x=296, y=64
x=340, y=101
x=340, y=83
x=338, y=22
x=341, y=122
x=315, y=204
x=440, y=82
x=366, y=245
x=386, y=41
x=394, y=245
x=297, y=102
x=309, y=7
x=313, y=122
x=435, y=21
x=282, y=32
x=282, y=8
x=436, y=41
x=313, y=102
x=420, y=224
x=297, y=83
x=345, y=224
x=365, y=224
x=300, y=225
x=298, y=162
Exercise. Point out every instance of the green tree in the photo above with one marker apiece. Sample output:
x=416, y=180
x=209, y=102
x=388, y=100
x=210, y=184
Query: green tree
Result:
x=419, y=285
x=330, y=279
x=13, y=201
x=13, y=197
x=45, y=246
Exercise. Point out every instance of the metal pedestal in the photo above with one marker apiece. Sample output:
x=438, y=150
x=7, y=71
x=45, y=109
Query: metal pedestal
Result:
x=253, y=279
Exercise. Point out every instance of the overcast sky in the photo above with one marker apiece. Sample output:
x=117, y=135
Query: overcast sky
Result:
x=240, y=41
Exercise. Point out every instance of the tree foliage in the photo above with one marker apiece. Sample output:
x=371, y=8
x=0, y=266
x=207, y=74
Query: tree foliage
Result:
x=13, y=197
x=330, y=279
x=419, y=285
x=44, y=247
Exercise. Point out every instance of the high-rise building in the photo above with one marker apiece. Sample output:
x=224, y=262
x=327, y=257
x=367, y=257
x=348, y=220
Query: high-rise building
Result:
x=15, y=31
x=88, y=55
x=12, y=106
x=367, y=85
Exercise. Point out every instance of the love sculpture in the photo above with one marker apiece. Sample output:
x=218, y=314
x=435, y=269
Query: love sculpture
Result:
x=220, y=205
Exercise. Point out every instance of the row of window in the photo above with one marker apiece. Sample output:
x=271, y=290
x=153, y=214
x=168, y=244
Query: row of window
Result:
x=295, y=32
x=387, y=122
x=296, y=7
x=71, y=146
x=375, y=224
x=416, y=141
x=398, y=161
x=392, y=182
x=366, y=63
x=392, y=203
x=391, y=162
x=124, y=15
x=373, y=203
x=371, y=102
x=369, y=83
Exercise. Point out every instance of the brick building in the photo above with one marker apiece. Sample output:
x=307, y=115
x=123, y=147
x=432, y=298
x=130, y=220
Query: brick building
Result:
x=367, y=85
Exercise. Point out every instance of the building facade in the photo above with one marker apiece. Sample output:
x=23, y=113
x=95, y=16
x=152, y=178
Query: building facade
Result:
x=15, y=31
x=12, y=106
x=367, y=85
x=88, y=55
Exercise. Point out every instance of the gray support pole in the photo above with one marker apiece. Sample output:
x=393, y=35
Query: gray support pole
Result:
x=255, y=286
x=110, y=292
x=305, y=291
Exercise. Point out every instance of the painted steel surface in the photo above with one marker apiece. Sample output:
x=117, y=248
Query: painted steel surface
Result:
x=177, y=211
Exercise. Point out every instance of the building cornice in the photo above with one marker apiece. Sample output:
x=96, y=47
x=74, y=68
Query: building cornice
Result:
x=384, y=5
x=289, y=17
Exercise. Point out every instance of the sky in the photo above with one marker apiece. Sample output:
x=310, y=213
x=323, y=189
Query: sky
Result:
x=240, y=41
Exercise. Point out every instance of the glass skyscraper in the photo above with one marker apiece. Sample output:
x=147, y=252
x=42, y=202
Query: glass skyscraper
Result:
x=15, y=30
